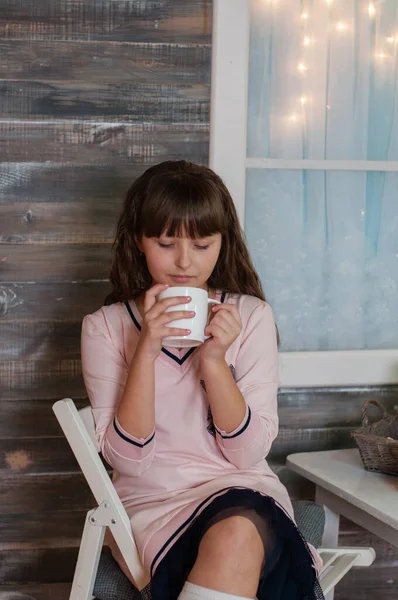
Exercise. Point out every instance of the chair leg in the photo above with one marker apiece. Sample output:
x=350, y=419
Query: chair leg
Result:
x=338, y=561
x=88, y=559
x=331, y=531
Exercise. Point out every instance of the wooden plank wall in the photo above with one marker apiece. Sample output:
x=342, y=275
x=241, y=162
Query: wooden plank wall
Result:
x=91, y=93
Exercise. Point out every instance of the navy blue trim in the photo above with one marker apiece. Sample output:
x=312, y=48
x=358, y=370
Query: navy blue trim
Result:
x=245, y=426
x=126, y=439
x=180, y=361
x=222, y=298
x=127, y=304
x=192, y=516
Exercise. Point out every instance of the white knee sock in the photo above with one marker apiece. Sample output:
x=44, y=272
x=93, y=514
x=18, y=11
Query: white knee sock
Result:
x=190, y=591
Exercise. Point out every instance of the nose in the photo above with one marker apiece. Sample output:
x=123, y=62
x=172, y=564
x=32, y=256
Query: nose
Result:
x=183, y=260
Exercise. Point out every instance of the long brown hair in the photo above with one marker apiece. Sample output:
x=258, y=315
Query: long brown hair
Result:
x=177, y=198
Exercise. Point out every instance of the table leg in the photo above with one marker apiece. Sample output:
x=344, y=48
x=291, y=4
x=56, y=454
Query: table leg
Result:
x=330, y=537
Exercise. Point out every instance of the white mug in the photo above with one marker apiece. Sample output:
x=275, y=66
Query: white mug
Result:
x=199, y=303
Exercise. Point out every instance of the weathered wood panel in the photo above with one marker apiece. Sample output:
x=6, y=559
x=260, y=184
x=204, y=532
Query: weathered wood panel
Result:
x=48, y=565
x=26, y=531
x=35, y=591
x=57, y=262
x=45, y=494
x=57, y=301
x=57, y=182
x=48, y=222
x=123, y=102
x=43, y=380
x=377, y=581
x=30, y=419
x=135, y=146
x=105, y=62
x=36, y=456
x=158, y=21
x=40, y=340
x=331, y=407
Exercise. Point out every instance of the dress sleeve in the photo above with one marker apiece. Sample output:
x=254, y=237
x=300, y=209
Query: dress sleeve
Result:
x=256, y=375
x=105, y=374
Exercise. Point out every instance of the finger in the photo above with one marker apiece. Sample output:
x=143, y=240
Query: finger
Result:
x=228, y=318
x=162, y=305
x=172, y=331
x=173, y=316
x=217, y=330
x=225, y=317
x=150, y=295
x=231, y=308
x=227, y=309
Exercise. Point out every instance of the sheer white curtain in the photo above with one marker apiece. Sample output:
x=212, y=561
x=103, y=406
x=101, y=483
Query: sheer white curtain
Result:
x=323, y=84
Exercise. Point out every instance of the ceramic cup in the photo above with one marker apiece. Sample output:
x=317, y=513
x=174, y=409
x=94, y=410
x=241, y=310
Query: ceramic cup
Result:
x=200, y=304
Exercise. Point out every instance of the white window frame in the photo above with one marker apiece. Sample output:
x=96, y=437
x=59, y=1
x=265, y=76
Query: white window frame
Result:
x=228, y=131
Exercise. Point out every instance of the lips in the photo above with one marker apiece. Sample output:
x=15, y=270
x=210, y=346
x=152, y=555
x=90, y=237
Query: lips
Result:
x=181, y=277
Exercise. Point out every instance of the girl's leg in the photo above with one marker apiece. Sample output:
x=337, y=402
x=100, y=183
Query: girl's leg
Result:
x=230, y=558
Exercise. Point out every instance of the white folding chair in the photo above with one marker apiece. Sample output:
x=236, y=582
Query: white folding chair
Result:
x=78, y=427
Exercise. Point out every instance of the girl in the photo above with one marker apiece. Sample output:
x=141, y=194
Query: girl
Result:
x=187, y=432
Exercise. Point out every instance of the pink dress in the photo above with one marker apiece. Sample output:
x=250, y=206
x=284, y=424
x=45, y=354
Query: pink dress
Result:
x=187, y=460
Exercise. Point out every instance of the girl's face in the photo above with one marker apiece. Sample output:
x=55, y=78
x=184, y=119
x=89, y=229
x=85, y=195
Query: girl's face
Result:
x=182, y=260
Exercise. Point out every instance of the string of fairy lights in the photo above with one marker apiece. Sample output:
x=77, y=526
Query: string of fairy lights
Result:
x=381, y=54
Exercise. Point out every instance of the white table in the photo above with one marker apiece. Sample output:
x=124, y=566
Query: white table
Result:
x=345, y=488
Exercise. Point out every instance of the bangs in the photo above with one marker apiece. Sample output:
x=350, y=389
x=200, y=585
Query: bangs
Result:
x=184, y=206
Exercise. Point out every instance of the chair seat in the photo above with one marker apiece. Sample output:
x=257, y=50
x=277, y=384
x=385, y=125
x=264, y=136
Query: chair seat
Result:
x=112, y=584
x=310, y=519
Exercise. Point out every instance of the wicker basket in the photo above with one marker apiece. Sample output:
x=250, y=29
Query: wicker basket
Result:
x=378, y=442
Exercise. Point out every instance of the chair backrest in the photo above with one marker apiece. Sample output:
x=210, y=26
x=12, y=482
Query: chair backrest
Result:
x=79, y=430
x=86, y=415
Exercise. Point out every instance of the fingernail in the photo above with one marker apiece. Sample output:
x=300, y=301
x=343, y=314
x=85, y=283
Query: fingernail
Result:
x=191, y=312
x=188, y=331
x=214, y=308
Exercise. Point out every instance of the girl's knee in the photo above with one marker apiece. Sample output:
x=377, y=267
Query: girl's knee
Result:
x=233, y=536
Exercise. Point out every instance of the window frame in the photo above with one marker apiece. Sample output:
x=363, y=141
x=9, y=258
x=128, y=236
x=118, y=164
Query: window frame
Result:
x=228, y=137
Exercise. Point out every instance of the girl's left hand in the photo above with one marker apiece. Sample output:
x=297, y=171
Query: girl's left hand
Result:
x=224, y=327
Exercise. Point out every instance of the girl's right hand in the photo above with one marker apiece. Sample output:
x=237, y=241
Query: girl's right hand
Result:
x=154, y=325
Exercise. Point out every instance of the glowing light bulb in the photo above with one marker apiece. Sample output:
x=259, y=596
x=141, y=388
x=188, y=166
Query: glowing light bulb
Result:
x=301, y=67
x=341, y=26
x=391, y=39
x=293, y=118
x=329, y=1
x=307, y=41
x=303, y=100
x=372, y=10
x=381, y=55
x=363, y=213
x=305, y=16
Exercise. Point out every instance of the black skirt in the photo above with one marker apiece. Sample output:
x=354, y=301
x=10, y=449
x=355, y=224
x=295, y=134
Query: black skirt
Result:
x=289, y=573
